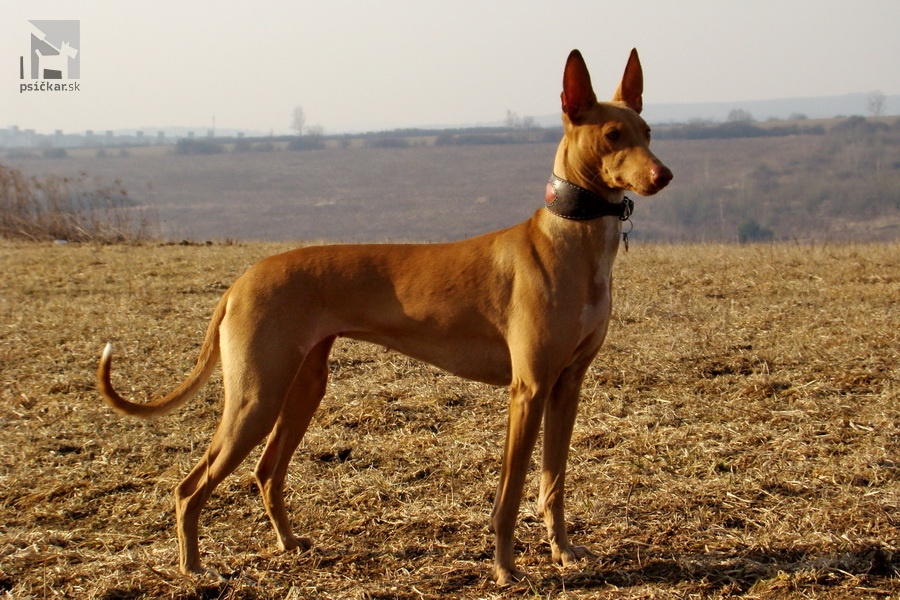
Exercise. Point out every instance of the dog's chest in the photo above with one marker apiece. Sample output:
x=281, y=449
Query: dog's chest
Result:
x=596, y=310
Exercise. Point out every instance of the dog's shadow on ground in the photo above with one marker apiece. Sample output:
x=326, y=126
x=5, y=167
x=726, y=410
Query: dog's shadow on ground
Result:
x=727, y=571
x=722, y=572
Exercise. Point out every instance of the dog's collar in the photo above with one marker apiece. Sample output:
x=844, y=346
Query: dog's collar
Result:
x=570, y=201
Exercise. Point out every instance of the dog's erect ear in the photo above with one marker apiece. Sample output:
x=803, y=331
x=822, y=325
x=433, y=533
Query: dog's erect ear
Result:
x=578, y=94
x=632, y=86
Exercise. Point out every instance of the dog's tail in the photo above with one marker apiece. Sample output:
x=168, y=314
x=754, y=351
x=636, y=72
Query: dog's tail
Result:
x=206, y=362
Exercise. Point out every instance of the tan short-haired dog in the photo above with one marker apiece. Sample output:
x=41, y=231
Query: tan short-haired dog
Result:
x=526, y=307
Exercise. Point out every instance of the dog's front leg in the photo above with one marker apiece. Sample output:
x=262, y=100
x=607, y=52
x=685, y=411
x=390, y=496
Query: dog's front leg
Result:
x=526, y=409
x=559, y=420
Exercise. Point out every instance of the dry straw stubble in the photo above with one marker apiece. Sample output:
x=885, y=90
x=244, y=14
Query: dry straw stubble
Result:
x=738, y=435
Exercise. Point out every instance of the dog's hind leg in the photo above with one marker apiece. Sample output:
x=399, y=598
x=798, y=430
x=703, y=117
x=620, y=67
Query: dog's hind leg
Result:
x=302, y=401
x=256, y=386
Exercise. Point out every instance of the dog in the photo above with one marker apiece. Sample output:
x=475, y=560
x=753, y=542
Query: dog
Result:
x=527, y=307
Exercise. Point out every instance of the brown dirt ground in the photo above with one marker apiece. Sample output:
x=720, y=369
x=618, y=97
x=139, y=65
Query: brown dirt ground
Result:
x=739, y=436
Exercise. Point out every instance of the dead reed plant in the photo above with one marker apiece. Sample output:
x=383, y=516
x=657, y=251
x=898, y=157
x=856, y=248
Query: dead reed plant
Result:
x=738, y=436
x=72, y=209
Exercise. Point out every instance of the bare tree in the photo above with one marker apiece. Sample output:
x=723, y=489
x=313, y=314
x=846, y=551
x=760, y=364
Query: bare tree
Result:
x=876, y=103
x=739, y=115
x=514, y=121
x=299, y=120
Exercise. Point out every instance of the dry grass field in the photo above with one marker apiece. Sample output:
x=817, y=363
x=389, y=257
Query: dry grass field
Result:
x=739, y=436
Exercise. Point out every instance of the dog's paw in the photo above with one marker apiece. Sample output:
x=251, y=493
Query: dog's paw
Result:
x=507, y=577
x=294, y=543
x=569, y=555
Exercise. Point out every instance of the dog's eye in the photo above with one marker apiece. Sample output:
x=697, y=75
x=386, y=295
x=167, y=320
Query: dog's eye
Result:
x=613, y=135
x=648, y=134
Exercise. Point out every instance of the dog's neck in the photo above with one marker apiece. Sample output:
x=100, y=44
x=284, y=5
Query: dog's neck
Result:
x=593, y=236
x=571, y=164
x=571, y=201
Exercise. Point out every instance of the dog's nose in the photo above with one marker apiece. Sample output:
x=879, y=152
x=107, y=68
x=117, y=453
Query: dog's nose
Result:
x=661, y=176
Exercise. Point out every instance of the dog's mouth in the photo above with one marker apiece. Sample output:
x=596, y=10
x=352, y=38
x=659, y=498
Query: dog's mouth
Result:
x=662, y=176
x=659, y=177
x=646, y=178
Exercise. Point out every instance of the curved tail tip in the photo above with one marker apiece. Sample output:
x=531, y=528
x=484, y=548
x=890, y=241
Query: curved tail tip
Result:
x=107, y=352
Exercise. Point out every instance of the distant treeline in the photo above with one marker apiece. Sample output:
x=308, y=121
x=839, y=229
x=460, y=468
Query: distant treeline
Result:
x=398, y=138
x=737, y=129
x=478, y=136
x=505, y=136
x=708, y=130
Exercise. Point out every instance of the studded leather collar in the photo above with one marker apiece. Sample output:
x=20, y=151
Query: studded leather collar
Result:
x=570, y=201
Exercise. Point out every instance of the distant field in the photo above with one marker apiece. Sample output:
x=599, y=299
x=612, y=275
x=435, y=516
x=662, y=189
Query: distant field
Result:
x=354, y=194
x=838, y=186
x=739, y=435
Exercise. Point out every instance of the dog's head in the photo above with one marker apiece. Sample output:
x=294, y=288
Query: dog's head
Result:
x=68, y=50
x=608, y=143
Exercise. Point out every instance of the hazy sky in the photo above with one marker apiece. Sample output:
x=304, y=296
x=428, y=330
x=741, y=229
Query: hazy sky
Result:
x=403, y=63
